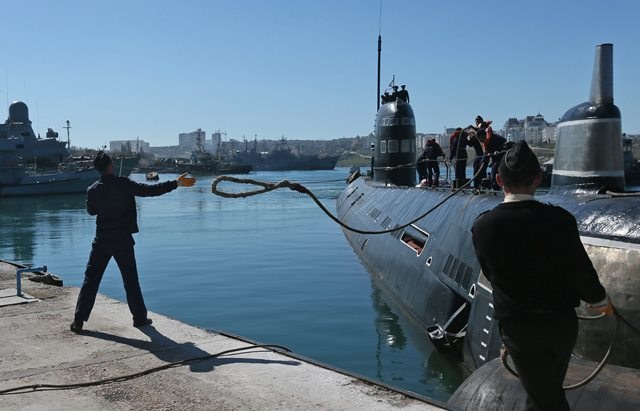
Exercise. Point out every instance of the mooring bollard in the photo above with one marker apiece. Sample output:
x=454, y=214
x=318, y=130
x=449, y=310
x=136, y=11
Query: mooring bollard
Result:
x=26, y=270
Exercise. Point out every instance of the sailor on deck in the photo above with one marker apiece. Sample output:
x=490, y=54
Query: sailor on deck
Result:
x=479, y=162
x=493, y=145
x=403, y=94
x=532, y=255
x=458, y=155
x=112, y=200
x=428, y=166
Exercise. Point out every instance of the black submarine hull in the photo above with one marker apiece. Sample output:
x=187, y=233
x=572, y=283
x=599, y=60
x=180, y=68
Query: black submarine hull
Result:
x=430, y=271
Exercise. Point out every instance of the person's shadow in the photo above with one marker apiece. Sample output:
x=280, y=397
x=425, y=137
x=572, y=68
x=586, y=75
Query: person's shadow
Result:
x=168, y=350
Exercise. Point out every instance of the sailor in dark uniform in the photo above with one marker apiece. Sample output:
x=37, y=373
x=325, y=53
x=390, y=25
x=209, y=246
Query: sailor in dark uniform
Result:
x=493, y=145
x=395, y=93
x=532, y=255
x=404, y=94
x=427, y=165
x=112, y=200
x=480, y=162
x=458, y=155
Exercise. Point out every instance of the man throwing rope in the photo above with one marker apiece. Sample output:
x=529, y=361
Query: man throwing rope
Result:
x=112, y=200
x=532, y=255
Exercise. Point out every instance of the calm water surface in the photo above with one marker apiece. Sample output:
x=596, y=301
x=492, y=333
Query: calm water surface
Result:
x=272, y=268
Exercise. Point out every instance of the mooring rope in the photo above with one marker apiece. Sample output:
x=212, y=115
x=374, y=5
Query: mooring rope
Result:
x=23, y=389
x=268, y=187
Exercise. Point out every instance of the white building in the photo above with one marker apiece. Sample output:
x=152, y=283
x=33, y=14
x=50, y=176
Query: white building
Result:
x=191, y=141
x=130, y=146
x=530, y=128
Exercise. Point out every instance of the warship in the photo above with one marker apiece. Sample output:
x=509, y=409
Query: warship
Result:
x=31, y=166
x=19, y=142
x=283, y=159
x=204, y=163
x=429, y=269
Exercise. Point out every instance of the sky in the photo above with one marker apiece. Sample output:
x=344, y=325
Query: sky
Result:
x=304, y=69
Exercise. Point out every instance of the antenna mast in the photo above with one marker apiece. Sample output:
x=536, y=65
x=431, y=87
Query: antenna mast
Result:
x=379, y=54
x=68, y=126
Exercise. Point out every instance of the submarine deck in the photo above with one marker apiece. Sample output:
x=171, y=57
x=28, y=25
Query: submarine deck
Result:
x=38, y=347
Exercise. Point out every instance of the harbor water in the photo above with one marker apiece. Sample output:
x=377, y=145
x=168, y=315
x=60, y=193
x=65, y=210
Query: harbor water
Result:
x=272, y=268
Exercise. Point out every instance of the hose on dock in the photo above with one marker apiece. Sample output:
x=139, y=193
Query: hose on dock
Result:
x=121, y=378
x=619, y=319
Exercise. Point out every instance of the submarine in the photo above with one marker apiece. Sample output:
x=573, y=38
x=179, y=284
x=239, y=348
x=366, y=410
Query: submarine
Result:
x=429, y=270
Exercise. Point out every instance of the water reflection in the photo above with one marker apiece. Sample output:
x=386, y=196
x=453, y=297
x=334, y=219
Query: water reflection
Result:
x=26, y=221
x=440, y=371
x=271, y=267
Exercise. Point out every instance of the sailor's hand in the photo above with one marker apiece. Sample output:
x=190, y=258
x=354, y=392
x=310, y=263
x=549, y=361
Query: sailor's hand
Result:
x=184, y=181
x=604, y=307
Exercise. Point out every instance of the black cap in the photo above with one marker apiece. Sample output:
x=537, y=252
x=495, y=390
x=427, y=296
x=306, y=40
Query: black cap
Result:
x=102, y=161
x=479, y=119
x=520, y=157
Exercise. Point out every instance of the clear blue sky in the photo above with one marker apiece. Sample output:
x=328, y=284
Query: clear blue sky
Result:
x=305, y=69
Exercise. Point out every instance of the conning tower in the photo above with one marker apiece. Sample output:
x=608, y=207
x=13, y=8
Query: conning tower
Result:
x=589, y=148
x=395, y=152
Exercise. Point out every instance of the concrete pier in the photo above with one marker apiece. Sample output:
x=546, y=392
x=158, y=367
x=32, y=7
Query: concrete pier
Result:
x=36, y=347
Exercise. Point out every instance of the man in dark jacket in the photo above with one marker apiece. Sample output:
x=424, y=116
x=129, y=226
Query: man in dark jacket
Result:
x=404, y=94
x=479, y=162
x=427, y=165
x=493, y=145
x=458, y=155
x=112, y=200
x=539, y=270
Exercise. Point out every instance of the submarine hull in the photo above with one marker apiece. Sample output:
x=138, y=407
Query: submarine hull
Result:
x=430, y=271
x=493, y=388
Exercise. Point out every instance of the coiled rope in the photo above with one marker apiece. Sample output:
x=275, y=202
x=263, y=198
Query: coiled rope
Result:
x=504, y=356
x=268, y=187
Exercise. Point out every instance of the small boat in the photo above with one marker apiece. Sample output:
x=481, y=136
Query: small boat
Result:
x=152, y=176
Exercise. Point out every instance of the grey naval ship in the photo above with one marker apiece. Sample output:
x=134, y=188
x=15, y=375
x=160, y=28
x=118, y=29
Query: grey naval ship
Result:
x=284, y=159
x=429, y=269
x=31, y=166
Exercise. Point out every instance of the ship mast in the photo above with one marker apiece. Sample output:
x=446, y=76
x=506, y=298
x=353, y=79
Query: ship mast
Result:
x=68, y=126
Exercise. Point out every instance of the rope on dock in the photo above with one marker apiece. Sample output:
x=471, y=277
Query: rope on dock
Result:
x=121, y=378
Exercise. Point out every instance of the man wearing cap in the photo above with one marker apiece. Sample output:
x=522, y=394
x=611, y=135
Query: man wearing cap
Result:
x=395, y=93
x=404, y=94
x=532, y=255
x=112, y=200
